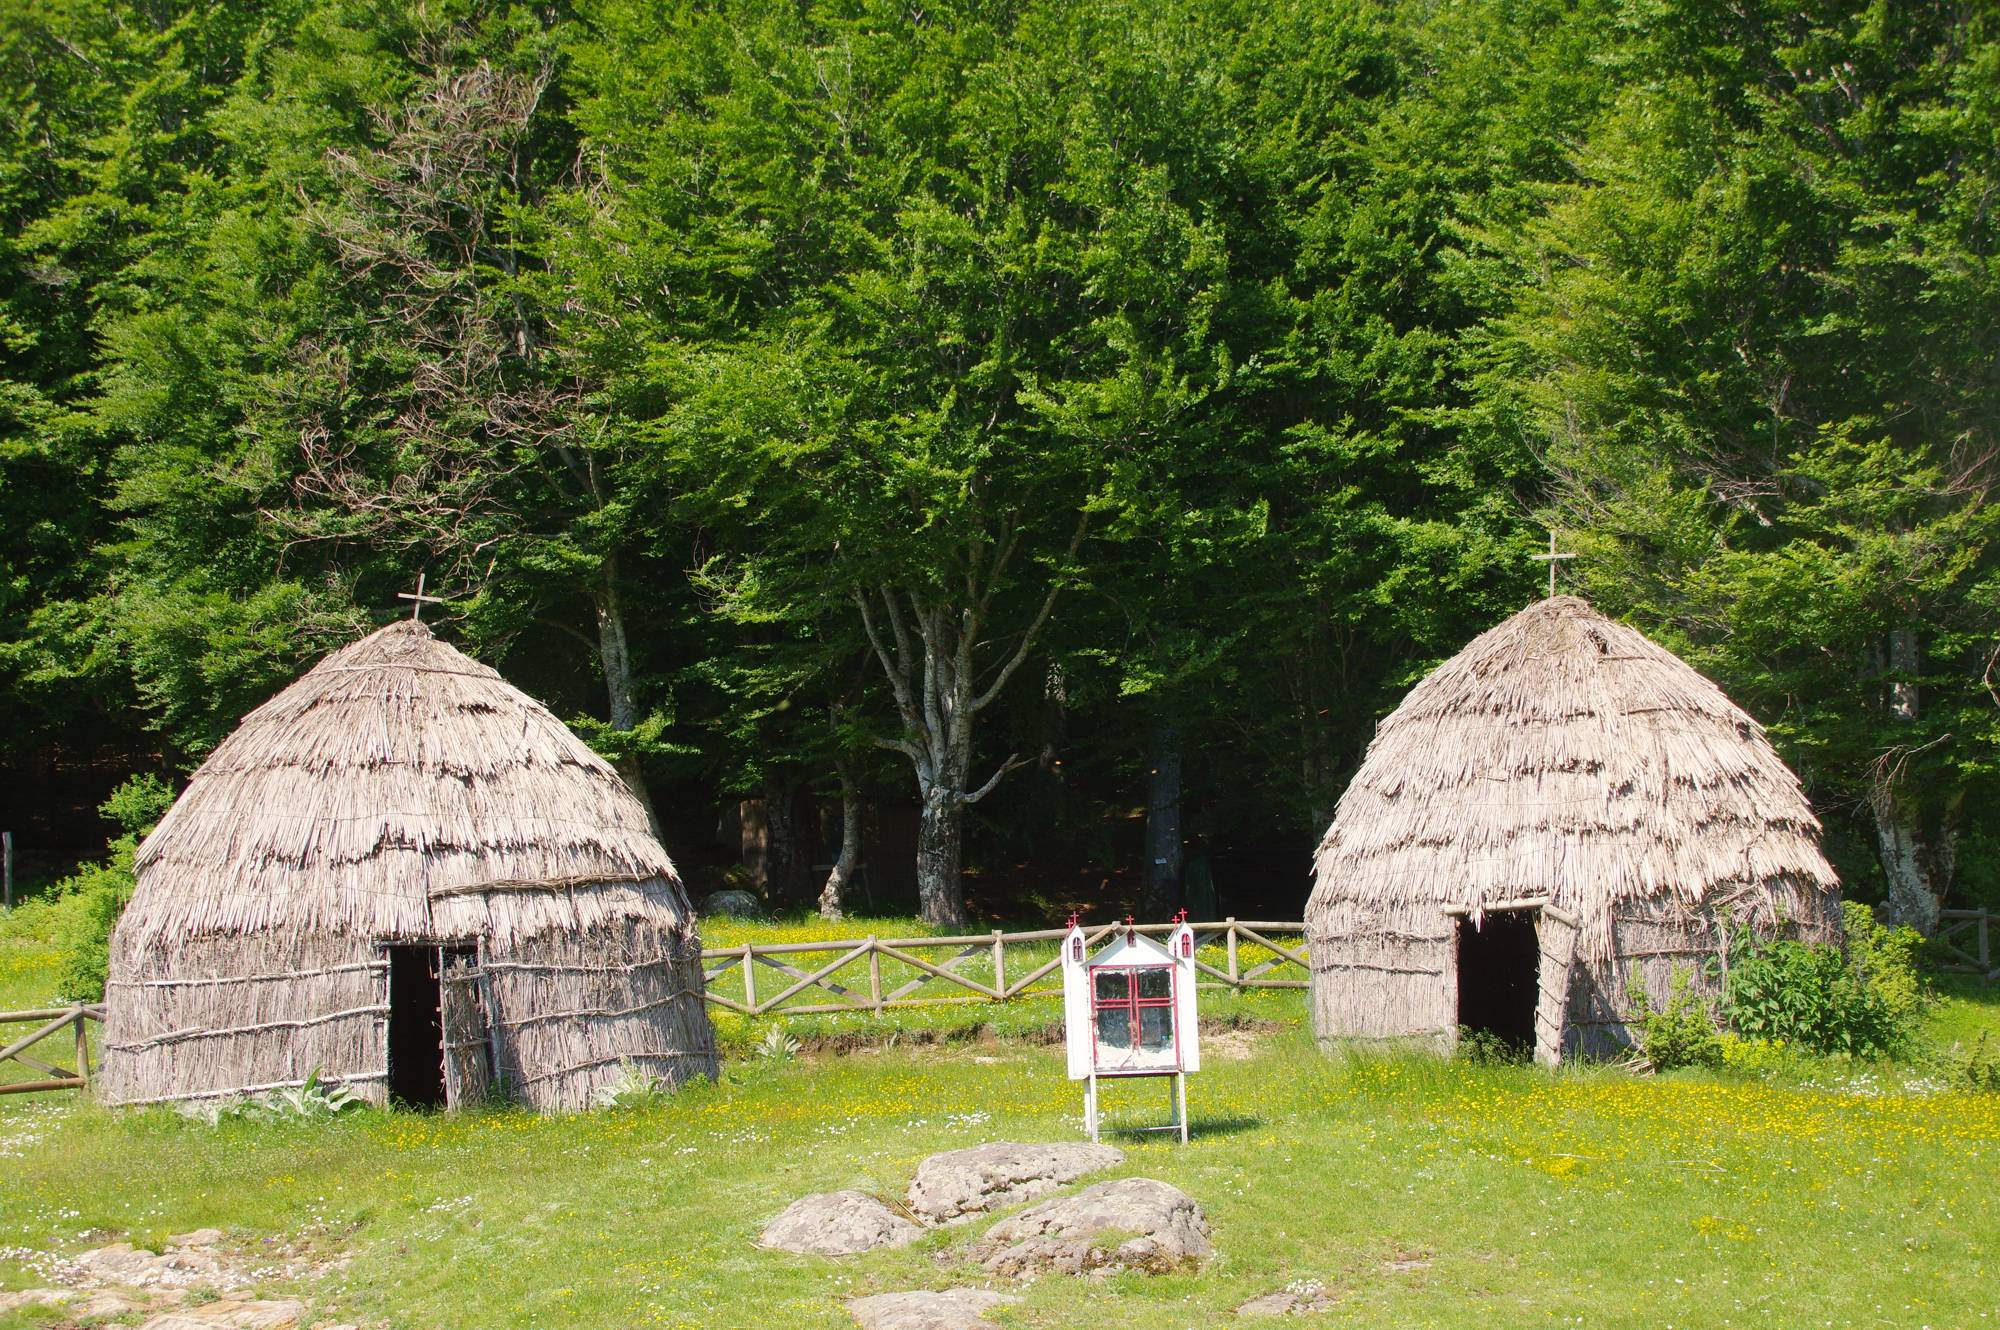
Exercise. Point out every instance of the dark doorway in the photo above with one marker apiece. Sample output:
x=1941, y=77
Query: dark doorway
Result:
x=416, y=1028
x=1499, y=965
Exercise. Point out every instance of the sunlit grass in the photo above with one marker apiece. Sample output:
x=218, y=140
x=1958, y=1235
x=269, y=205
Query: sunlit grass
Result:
x=1421, y=1193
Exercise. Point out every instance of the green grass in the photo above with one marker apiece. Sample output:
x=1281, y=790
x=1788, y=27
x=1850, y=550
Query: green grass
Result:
x=1420, y=1193
x=1966, y=1009
x=1529, y=1199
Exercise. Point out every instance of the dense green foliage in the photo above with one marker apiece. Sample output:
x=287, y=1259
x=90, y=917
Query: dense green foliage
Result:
x=1009, y=394
x=1865, y=1001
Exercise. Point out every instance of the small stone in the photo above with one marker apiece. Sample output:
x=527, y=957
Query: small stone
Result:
x=38, y=1297
x=838, y=1223
x=960, y=1184
x=737, y=904
x=921, y=1309
x=111, y=1302
x=1068, y=1235
x=201, y=1237
x=1293, y=1301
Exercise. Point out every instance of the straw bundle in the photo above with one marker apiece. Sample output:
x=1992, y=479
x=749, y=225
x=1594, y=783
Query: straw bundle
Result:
x=401, y=792
x=1561, y=758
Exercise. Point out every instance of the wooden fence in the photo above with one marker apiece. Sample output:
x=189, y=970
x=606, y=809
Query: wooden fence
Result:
x=874, y=974
x=50, y=1023
x=1966, y=936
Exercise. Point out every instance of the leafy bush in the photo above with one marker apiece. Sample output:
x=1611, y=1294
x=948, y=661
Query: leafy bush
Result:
x=1681, y=1034
x=1483, y=1048
x=1863, y=1002
x=81, y=910
x=634, y=1088
x=310, y=1102
x=1760, y=1059
x=1975, y=1068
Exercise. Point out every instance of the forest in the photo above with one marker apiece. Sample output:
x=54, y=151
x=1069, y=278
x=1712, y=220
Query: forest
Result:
x=1014, y=451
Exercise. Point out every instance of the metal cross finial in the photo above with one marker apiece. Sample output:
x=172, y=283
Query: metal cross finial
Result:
x=1552, y=559
x=420, y=599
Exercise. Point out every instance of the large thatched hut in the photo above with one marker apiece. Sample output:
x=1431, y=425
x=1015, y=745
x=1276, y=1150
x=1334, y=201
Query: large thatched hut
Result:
x=407, y=874
x=1561, y=809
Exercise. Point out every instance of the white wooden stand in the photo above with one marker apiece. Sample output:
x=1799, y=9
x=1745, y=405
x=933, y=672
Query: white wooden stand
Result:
x=1176, y=1101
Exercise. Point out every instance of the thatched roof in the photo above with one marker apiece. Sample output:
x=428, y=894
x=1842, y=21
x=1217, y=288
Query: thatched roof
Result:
x=1565, y=756
x=400, y=789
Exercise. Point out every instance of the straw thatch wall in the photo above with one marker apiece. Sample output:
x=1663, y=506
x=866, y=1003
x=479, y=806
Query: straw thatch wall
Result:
x=1561, y=758
x=400, y=793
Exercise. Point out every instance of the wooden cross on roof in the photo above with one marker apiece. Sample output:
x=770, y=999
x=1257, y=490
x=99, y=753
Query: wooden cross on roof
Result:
x=1552, y=559
x=420, y=599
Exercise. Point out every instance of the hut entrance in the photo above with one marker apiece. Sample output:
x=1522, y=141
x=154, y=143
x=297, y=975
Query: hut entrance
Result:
x=1499, y=965
x=418, y=990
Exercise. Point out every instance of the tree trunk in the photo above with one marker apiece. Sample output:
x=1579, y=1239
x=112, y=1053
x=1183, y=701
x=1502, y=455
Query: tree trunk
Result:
x=786, y=867
x=1163, y=823
x=830, y=896
x=940, y=890
x=1915, y=894
x=621, y=707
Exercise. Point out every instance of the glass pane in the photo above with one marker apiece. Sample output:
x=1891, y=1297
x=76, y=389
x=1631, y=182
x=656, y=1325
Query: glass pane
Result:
x=1156, y=983
x=1112, y=986
x=1114, y=1027
x=1156, y=1028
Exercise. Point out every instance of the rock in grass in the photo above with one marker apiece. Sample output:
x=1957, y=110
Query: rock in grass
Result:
x=732, y=904
x=838, y=1223
x=1302, y=1298
x=922, y=1309
x=231, y=1314
x=38, y=1297
x=1128, y=1224
x=961, y=1184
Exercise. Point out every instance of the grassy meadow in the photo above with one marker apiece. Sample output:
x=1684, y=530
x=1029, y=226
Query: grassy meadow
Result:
x=1419, y=1193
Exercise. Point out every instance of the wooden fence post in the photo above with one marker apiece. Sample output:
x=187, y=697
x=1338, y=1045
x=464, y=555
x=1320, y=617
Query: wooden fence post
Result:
x=83, y=1048
x=1000, y=966
x=1232, y=951
x=750, y=978
x=874, y=976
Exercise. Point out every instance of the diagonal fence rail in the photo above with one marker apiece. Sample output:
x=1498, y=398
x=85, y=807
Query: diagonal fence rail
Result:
x=874, y=974
x=1966, y=937
x=50, y=1023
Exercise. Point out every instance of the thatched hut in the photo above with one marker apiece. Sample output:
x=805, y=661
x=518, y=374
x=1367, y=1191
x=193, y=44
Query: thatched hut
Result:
x=1561, y=809
x=407, y=874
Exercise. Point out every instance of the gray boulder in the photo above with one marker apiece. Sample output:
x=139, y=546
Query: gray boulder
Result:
x=960, y=1184
x=838, y=1223
x=950, y=1309
x=1155, y=1227
x=740, y=904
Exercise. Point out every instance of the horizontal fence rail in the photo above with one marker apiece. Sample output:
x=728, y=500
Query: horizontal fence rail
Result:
x=50, y=1022
x=874, y=974
x=1966, y=936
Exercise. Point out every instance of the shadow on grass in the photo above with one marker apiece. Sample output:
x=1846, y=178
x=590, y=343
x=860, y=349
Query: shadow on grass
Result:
x=1198, y=1128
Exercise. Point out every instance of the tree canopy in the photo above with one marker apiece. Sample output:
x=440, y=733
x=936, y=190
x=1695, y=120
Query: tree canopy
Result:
x=1040, y=416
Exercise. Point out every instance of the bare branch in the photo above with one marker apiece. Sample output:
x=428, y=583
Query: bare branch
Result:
x=985, y=699
x=1014, y=762
x=898, y=679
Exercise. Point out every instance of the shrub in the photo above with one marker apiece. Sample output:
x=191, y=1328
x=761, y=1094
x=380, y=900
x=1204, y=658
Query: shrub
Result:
x=1682, y=1033
x=634, y=1088
x=1975, y=1068
x=1761, y=1059
x=85, y=906
x=1483, y=1048
x=1863, y=1002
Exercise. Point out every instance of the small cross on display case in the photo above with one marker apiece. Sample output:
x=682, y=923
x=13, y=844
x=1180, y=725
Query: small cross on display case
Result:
x=1129, y=1010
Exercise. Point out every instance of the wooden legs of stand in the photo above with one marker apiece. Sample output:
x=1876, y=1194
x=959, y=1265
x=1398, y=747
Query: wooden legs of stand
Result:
x=1176, y=1107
